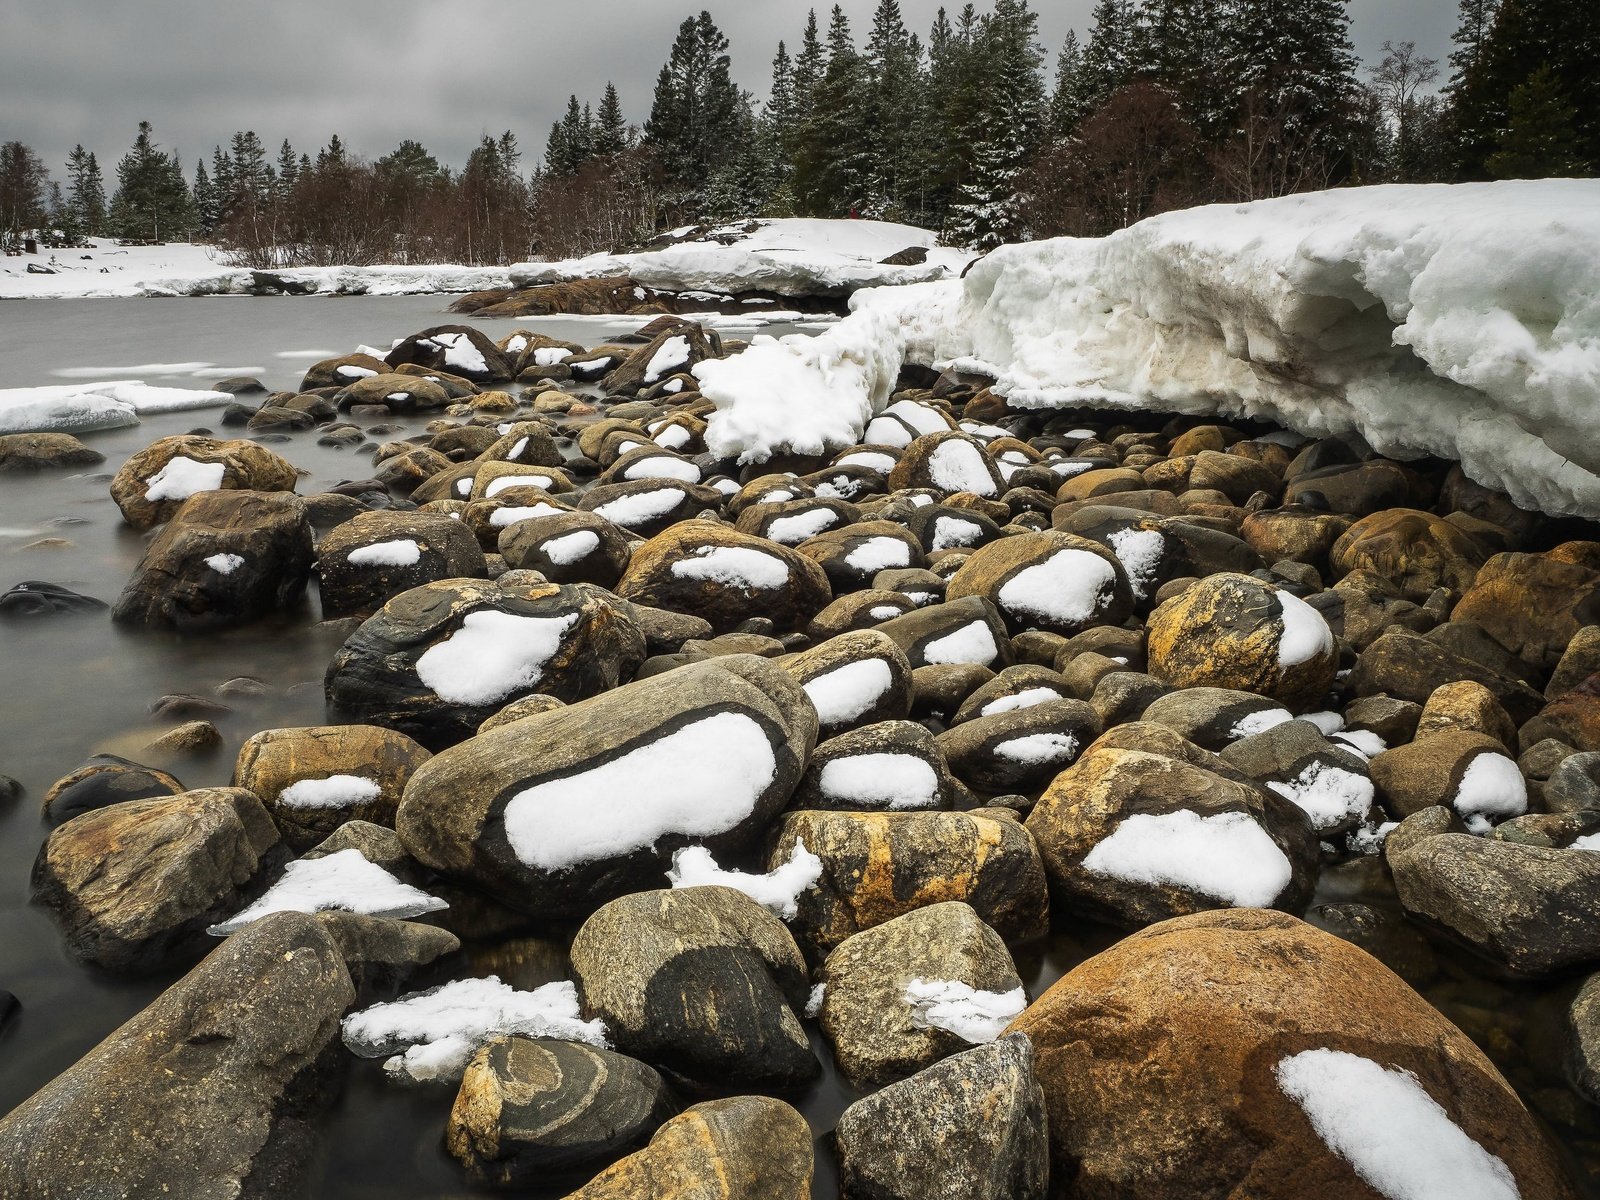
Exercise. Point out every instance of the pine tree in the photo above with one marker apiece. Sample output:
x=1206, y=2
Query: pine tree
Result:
x=22, y=189
x=94, y=201
x=1009, y=123
x=833, y=171
x=86, y=194
x=333, y=155
x=695, y=115
x=808, y=65
x=1180, y=45
x=153, y=200
x=894, y=74
x=1540, y=140
x=205, y=204
x=570, y=142
x=1477, y=18
x=1108, y=59
x=610, y=127
x=1067, y=105
x=288, y=170
x=221, y=195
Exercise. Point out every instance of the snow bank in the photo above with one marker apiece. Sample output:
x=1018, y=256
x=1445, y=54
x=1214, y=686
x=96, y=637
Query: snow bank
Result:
x=791, y=257
x=79, y=408
x=1390, y=1130
x=438, y=1030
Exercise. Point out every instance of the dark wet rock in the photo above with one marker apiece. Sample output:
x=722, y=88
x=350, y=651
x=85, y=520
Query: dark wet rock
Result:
x=577, y=547
x=1532, y=911
x=155, y=482
x=1233, y=631
x=702, y=981
x=437, y=661
x=224, y=558
x=852, y=555
x=135, y=885
x=560, y=811
x=854, y=679
x=1329, y=783
x=948, y=462
x=1393, y=720
x=528, y=1107
x=1213, y=717
x=968, y=630
x=1574, y=786
x=1160, y=1061
x=1383, y=933
x=878, y=866
x=889, y=765
x=44, y=451
x=878, y=1034
x=35, y=598
x=314, y=779
x=972, y=1127
x=741, y=1148
x=210, y=1092
x=1020, y=750
x=342, y=371
x=1110, y=830
x=649, y=506
x=376, y=555
x=461, y=350
x=102, y=781
x=1052, y=581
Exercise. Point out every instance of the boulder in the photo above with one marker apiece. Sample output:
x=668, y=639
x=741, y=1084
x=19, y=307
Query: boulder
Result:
x=461, y=350
x=1465, y=771
x=852, y=555
x=560, y=811
x=314, y=779
x=1052, y=581
x=702, y=981
x=649, y=506
x=1134, y=836
x=891, y=765
x=1330, y=783
x=1213, y=717
x=576, y=547
x=136, y=885
x=972, y=1127
x=948, y=462
x=375, y=555
x=956, y=632
x=210, y=1092
x=854, y=679
x=1020, y=750
x=342, y=371
x=224, y=558
x=1533, y=604
x=103, y=781
x=154, y=482
x=741, y=1148
x=1234, y=631
x=437, y=661
x=880, y=865
x=44, y=451
x=725, y=576
x=1169, y=1070
x=877, y=983
x=1402, y=665
x=528, y=1108
x=1417, y=551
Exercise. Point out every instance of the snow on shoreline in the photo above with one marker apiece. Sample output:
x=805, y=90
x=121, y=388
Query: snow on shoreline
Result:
x=1456, y=320
x=82, y=408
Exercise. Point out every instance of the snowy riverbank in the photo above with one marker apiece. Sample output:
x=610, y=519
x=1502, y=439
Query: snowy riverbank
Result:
x=1461, y=321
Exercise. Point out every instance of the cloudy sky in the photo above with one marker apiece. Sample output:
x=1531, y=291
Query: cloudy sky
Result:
x=441, y=71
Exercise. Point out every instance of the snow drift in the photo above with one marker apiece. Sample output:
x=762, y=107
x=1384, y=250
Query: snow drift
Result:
x=1456, y=320
x=790, y=257
x=82, y=408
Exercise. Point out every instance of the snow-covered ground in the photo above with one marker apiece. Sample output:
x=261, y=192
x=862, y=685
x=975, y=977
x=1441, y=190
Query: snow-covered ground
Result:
x=788, y=257
x=183, y=269
x=1457, y=320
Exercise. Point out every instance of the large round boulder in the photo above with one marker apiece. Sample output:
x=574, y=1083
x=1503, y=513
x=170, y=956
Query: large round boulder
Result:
x=1052, y=581
x=155, y=481
x=375, y=555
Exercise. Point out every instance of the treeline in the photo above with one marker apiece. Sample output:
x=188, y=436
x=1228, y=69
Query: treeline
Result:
x=968, y=129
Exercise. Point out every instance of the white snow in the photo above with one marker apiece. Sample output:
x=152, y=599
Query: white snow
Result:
x=549, y=356
x=511, y=514
x=1036, y=749
x=959, y=1008
x=886, y=430
x=797, y=527
x=972, y=643
x=845, y=692
x=183, y=477
x=778, y=891
x=1491, y=789
x=1329, y=795
x=672, y=356
x=1026, y=698
x=958, y=465
x=873, y=460
x=399, y=552
x=814, y=1001
x=1226, y=856
x=1139, y=551
x=1259, y=722
x=335, y=791
x=733, y=566
x=672, y=437
x=492, y=655
x=663, y=466
x=353, y=372
x=1306, y=635
x=882, y=780
x=515, y=479
x=572, y=547
x=225, y=564
x=884, y=612
x=1397, y=1137
x=950, y=532
x=439, y=1029
x=459, y=352
x=1329, y=723
x=1070, y=587
x=345, y=880
x=1363, y=741
x=700, y=780
x=641, y=507
x=1589, y=841
x=878, y=554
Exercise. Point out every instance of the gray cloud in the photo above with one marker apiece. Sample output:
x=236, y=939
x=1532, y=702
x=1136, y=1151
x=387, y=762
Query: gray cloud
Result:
x=376, y=71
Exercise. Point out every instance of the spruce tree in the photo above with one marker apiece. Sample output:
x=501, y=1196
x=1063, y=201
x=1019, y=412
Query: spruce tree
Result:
x=1180, y=45
x=22, y=189
x=1108, y=59
x=221, y=197
x=610, y=127
x=1067, y=106
x=94, y=201
x=204, y=198
x=1540, y=140
x=893, y=62
x=833, y=174
x=808, y=66
x=695, y=115
x=86, y=194
x=152, y=200
x=288, y=170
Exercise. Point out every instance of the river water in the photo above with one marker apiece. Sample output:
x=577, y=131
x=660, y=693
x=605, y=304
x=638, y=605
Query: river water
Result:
x=72, y=686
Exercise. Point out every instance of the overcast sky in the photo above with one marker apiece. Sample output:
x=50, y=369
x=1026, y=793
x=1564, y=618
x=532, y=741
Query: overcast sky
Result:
x=441, y=71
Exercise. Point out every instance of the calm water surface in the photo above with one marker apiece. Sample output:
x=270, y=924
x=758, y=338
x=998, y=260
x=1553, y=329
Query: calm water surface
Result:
x=72, y=686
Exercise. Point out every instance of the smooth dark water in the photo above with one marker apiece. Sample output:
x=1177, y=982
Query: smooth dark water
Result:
x=72, y=686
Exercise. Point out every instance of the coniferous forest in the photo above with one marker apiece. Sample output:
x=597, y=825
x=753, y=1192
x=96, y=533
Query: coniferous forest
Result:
x=972, y=128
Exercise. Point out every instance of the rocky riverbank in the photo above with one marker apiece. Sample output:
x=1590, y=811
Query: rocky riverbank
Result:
x=652, y=786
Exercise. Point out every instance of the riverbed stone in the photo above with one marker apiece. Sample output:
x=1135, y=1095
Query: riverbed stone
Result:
x=1053, y=581
x=1415, y=550
x=1533, y=604
x=1160, y=1060
x=531, y=1107
x=1020, y=750
x=702, y=981
x=375, y=555
x=888, y=765
x=972, y=1127
x=437, y=661
x=560, y=811
x=104, y=780
x=575, y=547
x=854, y=679
x=136, y=885
x=44, y=451
x=149, y=489
x=964, y=631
